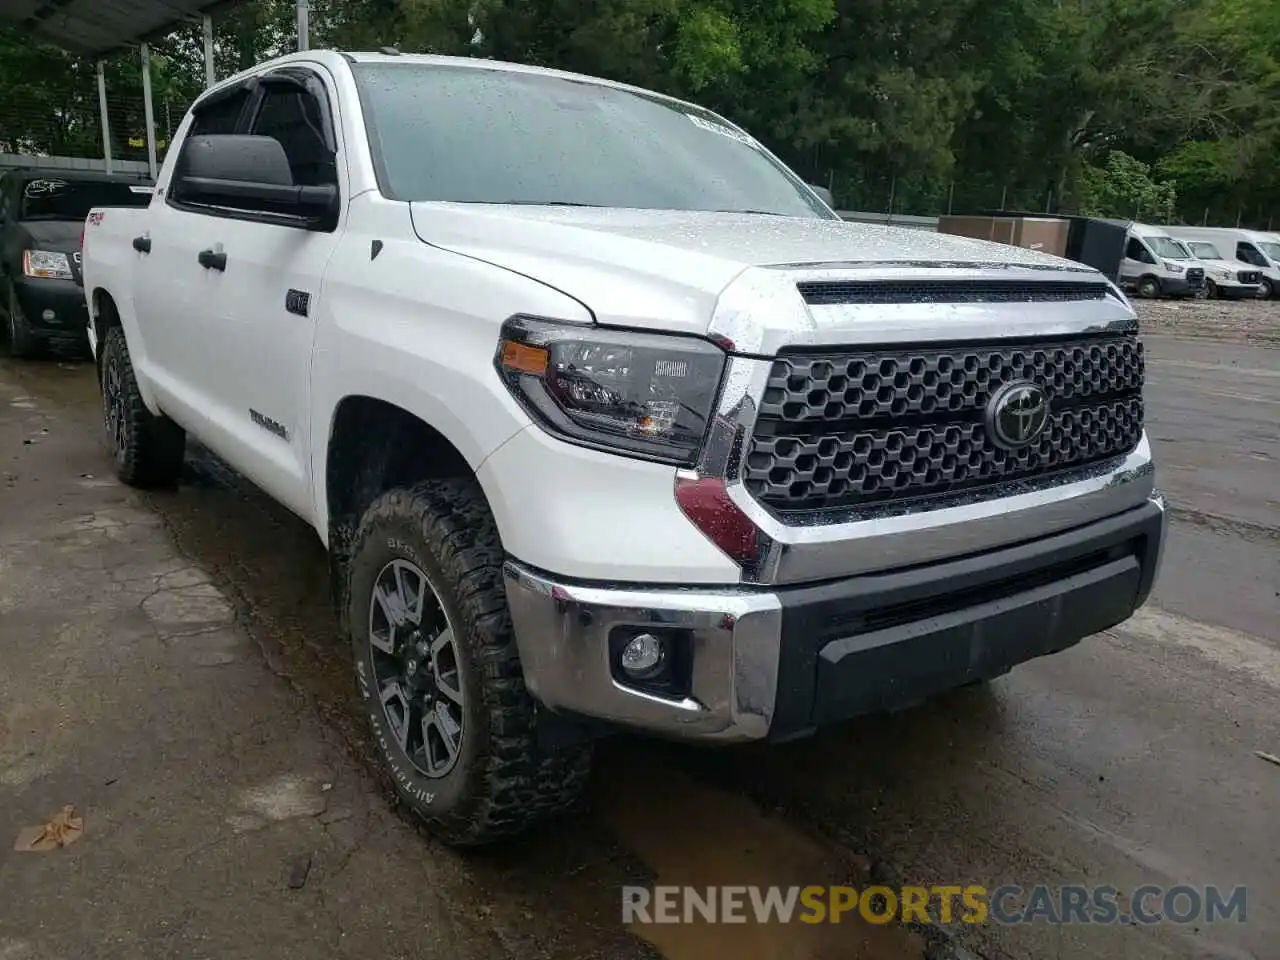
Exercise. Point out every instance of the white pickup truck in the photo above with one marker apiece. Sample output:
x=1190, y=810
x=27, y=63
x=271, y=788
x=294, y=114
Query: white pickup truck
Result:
x=609, y=422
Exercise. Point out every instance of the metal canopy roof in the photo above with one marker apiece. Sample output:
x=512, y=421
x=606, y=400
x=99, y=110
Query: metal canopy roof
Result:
x=98, y=27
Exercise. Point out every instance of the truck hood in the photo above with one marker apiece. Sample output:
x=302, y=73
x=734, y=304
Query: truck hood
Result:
x=61, y=235
x=1213, y=267
x=665, y=269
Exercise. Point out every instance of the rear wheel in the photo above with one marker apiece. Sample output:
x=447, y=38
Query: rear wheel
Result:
x=439, y=673
x=22, y=342
x=147, y=449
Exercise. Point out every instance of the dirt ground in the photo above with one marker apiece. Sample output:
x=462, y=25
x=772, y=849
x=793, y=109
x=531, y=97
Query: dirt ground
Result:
x=169, y=666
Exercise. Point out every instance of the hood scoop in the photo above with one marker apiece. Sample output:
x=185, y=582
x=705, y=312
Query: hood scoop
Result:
x=837, y=292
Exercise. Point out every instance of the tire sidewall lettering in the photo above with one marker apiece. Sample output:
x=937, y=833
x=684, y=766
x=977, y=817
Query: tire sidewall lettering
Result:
x=419, y=790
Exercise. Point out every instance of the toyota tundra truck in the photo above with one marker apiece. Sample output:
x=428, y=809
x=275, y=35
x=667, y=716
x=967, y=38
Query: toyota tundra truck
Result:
x=607, y=420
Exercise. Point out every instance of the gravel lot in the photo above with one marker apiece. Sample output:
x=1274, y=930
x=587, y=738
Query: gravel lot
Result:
x=1231, y=321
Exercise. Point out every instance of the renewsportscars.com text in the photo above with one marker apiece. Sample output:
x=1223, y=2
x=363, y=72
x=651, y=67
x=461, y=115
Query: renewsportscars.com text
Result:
x=1147, y=904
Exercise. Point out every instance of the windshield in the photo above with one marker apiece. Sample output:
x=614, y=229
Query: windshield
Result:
x=59, y=199
x=1168, y=248
x=1204, y=251
x=1272, y=249
x=476, y=135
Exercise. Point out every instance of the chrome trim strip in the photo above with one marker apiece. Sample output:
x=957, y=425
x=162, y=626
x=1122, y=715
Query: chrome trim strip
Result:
x=562, y=632
x=891, y=537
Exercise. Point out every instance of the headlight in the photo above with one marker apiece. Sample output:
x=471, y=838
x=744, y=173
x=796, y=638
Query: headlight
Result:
x=646, y=395
x=46, y=264
x=1225, y=275
x=1174, y=267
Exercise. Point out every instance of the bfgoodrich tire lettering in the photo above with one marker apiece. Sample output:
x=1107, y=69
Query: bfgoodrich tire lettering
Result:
x=147, y=449
x=502, y=782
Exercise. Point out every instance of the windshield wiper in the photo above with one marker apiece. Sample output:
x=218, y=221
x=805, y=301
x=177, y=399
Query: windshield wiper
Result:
x=760, y=213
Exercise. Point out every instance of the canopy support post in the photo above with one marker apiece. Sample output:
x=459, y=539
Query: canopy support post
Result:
x=304, y=25
x=210, y=67
x=106, y=118
x=148, y=109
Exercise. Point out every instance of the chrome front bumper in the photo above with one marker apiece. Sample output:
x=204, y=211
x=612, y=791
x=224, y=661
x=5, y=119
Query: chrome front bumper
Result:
x=563, y=629
x=778, y=662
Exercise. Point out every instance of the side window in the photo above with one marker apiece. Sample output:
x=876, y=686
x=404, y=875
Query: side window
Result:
x=1136, y=251
x=294, y=118
x=219, y=117
x=1247, y=253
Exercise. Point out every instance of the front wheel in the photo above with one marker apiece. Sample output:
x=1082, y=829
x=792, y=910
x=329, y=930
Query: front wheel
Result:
x=439, y=673
x=1266, y=290
x=147, y=449
x=1148, y=288
x=1211, y=290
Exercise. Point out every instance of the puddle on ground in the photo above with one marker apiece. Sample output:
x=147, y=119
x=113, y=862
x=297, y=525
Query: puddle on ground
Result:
x=693, y=835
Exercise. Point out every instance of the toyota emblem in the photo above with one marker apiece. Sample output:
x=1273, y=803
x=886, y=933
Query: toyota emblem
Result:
x=1017, y=415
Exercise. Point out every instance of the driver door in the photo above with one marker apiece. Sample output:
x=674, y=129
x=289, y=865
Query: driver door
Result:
x=257, y=347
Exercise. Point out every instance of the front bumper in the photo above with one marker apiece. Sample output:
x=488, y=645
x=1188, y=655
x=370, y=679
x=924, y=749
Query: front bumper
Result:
x=52, y=307
x=1237, y=291
x=1179, y=286
x=779, y=663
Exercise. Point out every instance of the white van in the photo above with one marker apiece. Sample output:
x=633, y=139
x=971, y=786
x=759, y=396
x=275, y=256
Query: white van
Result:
x=1225, y=278
x=1246, y=248
x=1157, y=265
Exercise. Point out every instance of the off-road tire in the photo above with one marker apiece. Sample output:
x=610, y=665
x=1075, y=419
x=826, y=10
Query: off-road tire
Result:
x=147, y=449
x=504, y=782
x=22, y=342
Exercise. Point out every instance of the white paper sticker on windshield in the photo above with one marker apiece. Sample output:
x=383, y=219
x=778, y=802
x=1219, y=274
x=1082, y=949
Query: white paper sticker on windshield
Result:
x=721, y=129
x=41, y=188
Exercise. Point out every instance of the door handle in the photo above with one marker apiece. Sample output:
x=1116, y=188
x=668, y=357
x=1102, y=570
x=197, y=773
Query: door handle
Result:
x=142, y=244
x=212, y=261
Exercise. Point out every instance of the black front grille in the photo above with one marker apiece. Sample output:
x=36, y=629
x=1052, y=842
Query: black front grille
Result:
x=1249, y=277
x=866, y=427
x=1195, y=277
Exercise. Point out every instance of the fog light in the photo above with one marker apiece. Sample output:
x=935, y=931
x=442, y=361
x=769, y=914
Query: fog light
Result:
x=642, y=656
x=49, y=316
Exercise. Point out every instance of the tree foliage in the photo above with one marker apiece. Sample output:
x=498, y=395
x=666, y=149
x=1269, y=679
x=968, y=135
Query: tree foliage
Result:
x=1124, y=188
x=1097, y=105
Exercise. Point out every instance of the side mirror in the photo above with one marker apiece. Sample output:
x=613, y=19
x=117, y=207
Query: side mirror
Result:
x=251, y=173
x=825, y=194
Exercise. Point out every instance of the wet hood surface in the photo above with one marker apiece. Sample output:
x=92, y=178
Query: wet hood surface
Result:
x=61, y=235
x=678, y=262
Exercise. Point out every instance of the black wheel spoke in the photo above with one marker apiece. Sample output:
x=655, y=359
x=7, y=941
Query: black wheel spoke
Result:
x=412, y=649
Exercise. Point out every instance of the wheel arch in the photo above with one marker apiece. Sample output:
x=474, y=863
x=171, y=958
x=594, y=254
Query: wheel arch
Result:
x=104, y=314
x=373, y=444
